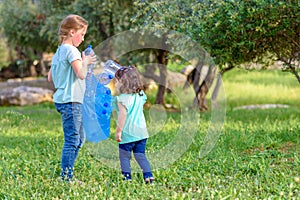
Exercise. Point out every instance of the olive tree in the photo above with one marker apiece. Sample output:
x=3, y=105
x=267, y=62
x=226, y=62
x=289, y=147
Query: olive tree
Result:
x=237, y=32
x=34, y=27
x=176, y=15
x=233, y=32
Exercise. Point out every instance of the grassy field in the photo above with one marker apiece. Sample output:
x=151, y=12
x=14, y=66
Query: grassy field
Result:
x=257, y=156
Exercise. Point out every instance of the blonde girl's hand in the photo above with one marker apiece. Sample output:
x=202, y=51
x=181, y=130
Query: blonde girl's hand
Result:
x=89, y=59
x=118, y=137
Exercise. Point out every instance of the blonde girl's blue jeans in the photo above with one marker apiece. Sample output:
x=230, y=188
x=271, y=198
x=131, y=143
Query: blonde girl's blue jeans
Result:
x=74, y=136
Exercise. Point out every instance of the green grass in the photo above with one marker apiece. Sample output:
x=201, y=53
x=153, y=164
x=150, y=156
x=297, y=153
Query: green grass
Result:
x=256, y=157
x=264, y=87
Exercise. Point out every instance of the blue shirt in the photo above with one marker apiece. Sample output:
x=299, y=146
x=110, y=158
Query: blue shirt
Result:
x=69, y=88
x=135, y=124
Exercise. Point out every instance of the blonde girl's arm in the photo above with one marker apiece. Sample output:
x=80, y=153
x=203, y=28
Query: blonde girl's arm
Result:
x=121, y=121
x=80, y=67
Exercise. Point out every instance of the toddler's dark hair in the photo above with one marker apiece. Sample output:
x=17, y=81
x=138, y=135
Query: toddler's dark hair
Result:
x=130, y=81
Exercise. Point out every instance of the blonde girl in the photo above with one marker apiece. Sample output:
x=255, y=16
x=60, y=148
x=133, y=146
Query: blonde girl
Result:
x=68, y=71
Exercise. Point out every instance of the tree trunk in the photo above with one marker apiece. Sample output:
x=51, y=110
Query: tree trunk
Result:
x=196, y=86
x=32, y=69
x=216, y=90
x=294, y=71
x=218, y=85
x=162, y=59
x=196, y=82
x=42, y=64
x=204, y=88
x=151, y=68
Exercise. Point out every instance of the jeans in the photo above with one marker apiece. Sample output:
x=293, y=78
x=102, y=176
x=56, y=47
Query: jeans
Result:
x=74, y=135
x=138, y=149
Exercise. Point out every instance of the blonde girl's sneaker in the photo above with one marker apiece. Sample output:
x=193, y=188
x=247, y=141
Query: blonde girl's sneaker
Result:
x=126, y=176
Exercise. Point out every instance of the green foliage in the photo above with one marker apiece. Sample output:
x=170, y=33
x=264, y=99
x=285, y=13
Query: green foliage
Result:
x=106, y=18
x=54, y=11
x=36, y=25
x=241, y=31
x=233, y=32
x=4, y=52
x=177, y=66
x=168, y=19
x=257, y=156
x=22, y=24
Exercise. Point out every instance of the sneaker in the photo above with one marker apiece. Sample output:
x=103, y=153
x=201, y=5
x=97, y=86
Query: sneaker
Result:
x=63, y=176
x=126, y=176
x=149, y=180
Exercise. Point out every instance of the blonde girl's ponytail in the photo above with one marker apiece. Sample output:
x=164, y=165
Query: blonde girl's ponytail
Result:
x=72, y=21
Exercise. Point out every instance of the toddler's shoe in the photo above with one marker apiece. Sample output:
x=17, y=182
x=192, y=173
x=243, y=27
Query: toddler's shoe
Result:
x=149, y=180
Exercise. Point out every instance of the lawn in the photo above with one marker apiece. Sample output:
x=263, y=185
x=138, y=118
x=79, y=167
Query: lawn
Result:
x=255, y=154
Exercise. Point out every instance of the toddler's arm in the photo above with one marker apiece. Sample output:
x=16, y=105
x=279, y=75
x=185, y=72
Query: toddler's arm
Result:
x=121, y=121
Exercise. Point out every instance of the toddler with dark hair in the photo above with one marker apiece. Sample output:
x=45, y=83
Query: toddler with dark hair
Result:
x=131, y=131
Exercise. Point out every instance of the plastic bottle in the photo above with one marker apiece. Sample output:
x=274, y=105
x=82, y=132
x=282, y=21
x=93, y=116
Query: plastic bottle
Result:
x=111, y=67
x=90, y=85
x=89, y=50
x=90, y=78
x=96, y=111
x=97, y=101
x=104, y=78
x=103, y=101
x=103, y=108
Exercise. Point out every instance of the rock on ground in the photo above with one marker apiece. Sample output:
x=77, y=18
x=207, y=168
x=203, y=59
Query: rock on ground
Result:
x=25, y=95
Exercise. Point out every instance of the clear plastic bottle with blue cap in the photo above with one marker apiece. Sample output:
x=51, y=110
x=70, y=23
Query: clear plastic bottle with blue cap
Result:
x=89, y=51
x=97, y=105
x=103, y=107
x=111, y=67
x=90, y=80
x=95, y=132
x=104, y=78
x=103, y=101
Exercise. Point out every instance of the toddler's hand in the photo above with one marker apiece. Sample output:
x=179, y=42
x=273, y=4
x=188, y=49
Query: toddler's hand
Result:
x=118, y=137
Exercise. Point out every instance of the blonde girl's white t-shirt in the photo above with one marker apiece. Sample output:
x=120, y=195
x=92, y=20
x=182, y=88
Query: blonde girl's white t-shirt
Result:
x=69, y=88
x=135, y=124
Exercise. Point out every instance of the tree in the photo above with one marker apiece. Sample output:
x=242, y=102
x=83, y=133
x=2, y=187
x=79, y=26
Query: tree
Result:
x=34, y=26
x=233, y=32
x=171, y=15
x=54, y=11
x=237, y=32
x=22, y=22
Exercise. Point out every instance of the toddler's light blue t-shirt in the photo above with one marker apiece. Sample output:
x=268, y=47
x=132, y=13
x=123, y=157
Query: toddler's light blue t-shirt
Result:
x=135, y=124
x=69, y=88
